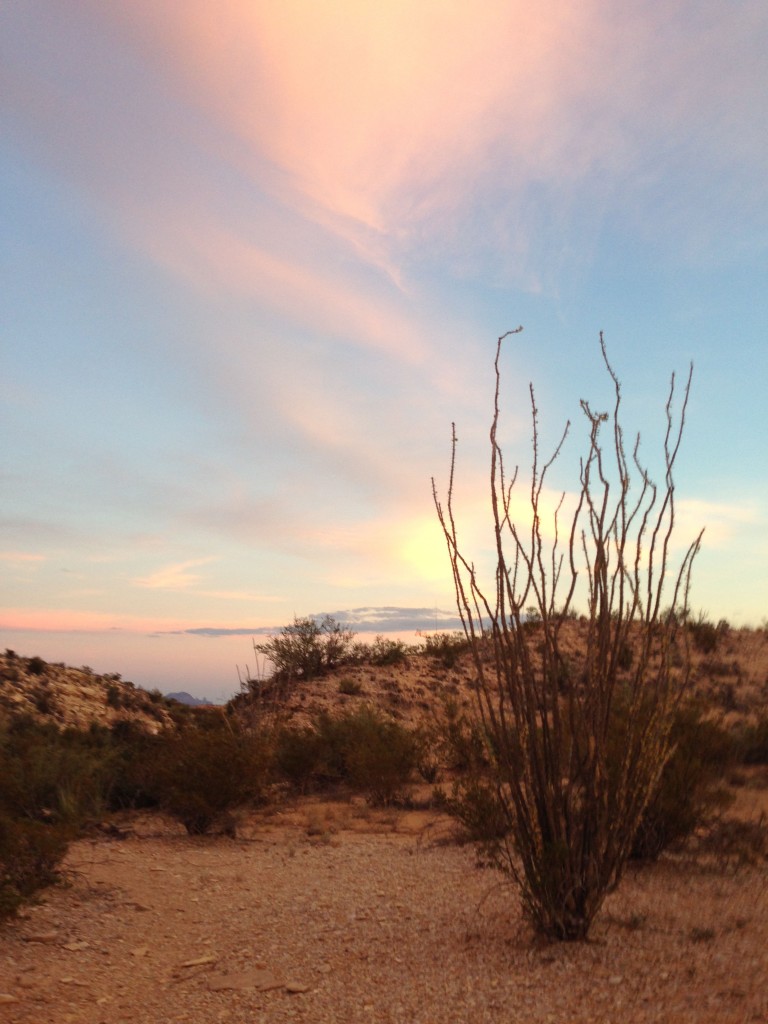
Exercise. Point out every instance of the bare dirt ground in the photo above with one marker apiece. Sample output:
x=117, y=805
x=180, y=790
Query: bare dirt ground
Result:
x=334, y=912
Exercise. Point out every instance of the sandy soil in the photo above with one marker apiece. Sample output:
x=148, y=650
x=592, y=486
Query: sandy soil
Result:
x=333, y=912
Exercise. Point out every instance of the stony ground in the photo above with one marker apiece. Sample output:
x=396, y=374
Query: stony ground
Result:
x=334, y=912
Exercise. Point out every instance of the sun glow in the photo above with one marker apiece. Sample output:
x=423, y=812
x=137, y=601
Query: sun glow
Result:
x=424, y=550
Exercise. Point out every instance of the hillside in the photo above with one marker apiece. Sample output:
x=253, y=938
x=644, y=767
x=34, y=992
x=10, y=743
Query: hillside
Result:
x=65, y=696
x=729, y=675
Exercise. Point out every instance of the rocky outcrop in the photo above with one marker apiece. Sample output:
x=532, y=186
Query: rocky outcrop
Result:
x=77, y=697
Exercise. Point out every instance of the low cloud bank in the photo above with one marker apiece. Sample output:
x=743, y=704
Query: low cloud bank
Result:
x=361, y=620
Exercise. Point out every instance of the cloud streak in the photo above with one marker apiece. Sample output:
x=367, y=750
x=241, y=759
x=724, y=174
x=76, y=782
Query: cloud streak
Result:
x=174, y=577
x=361, y=620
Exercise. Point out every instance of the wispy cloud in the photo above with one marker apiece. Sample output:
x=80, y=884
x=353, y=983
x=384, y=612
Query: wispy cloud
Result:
x=174, y=577
x=22, y=558
x=720, y=520
x=402, y=128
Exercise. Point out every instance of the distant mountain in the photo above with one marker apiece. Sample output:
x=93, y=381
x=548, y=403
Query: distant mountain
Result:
x=186, y=698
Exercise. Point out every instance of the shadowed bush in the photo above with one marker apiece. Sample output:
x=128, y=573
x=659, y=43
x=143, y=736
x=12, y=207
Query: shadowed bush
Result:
x=691, y=786
x=753, y=742
x=30, y=852
x=202, y=775
x=363, y=749
x=52, y=783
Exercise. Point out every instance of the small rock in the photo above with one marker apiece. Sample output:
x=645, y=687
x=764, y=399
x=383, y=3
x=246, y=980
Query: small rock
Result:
x=200, y=961
x=6, y=998
x=240, y=980
x=45, y=937
x=295, y=987
x=140, y=951
x=76, y=947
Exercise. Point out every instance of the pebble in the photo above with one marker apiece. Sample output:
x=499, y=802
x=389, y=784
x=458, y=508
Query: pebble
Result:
x=295, y=987
x=200, y=961
x=45, y=937
x=258, y=979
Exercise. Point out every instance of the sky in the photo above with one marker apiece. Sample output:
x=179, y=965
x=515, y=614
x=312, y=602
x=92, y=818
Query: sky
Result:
x=255, y=260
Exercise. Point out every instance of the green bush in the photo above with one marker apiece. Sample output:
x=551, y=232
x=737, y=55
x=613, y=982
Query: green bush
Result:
x=363, y=749
x=51, y=774
x=52, y=783
x=690, y=788
x=476, y=805
x=30, y=852
x=308, y=648
x=381, y=756
x=299, y=756
x=463, y=745
x=446, y=648
x=384, y=651
x=202, y=774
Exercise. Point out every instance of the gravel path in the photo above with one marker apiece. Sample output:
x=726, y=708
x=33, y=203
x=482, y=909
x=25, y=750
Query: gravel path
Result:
x=369, y=927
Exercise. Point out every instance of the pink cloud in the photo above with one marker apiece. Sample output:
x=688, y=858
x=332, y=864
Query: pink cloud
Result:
x=379, y=120
x=174, y=577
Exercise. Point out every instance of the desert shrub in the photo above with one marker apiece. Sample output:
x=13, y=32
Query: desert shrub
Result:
x=299, y=756
x=52, y=783
x=476, y=805
x=735, y=843
x=705, y=635
x=350, y=687
x=572, y=801
x=753, y=741
x=55, y=775
x=717, y=668
x=308, y=648
x=36, y=666
x=114, y=696
x=362, y=749
x=43, y=701
x=446, y=648
x=691, y=786
x=462, y=740
x=384, y=651
x=30, y=852
x=380, y=755
x=625, y=657
x=202, y=774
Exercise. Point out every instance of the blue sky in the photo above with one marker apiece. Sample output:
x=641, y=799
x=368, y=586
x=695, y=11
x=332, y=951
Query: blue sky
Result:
x=255, y=259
